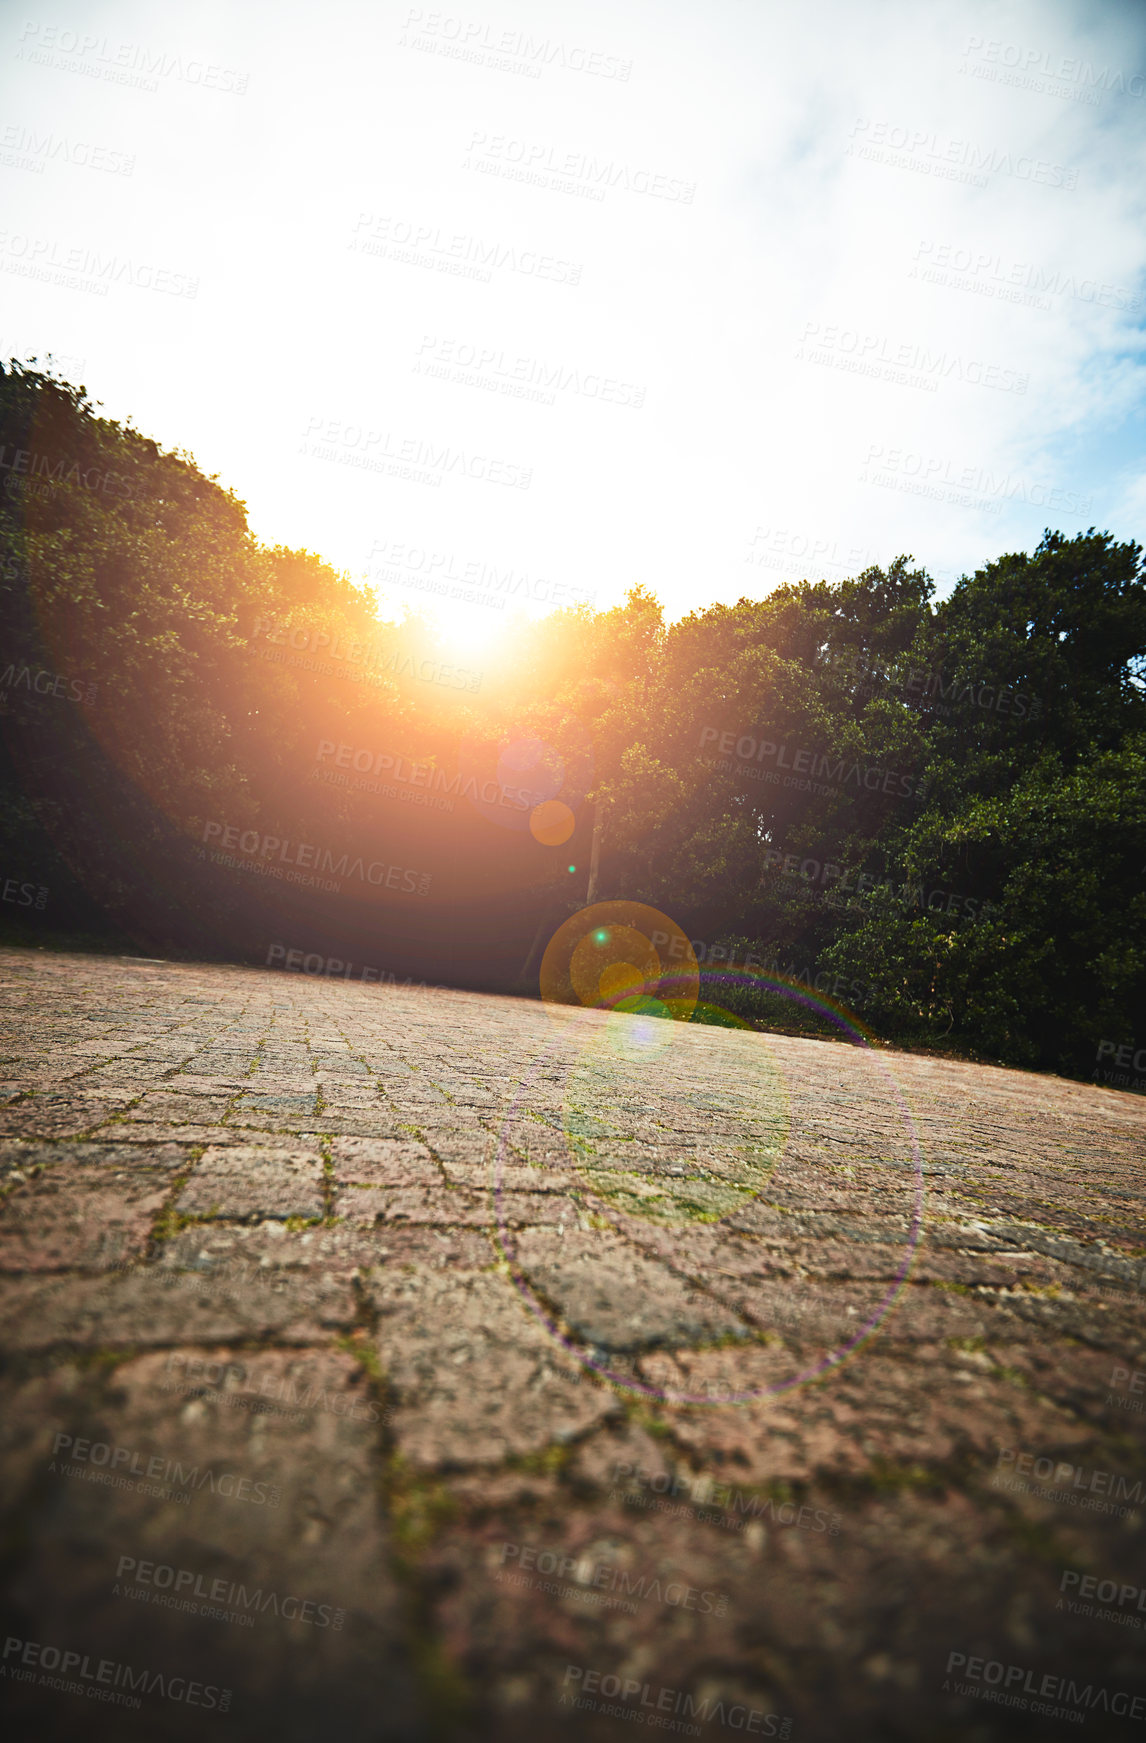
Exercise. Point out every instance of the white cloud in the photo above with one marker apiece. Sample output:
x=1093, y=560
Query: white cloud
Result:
x=892, y=245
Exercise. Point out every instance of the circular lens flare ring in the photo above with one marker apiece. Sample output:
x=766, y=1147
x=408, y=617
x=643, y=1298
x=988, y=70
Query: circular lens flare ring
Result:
x=617, y=951
x=552, y=823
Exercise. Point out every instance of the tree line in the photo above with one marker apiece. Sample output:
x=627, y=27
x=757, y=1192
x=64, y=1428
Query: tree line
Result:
x=930, y=812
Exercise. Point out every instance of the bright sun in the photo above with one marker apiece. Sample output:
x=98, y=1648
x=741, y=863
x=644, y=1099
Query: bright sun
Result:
x=461, y=631
x=467, y=629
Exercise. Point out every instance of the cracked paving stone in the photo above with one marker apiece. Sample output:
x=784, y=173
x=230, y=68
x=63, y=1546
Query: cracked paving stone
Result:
x=270, y=1513
x=61, y=1116
x=254, y=1180
x=476, y=1379
x=159, y=1305
x=232, y=1253
x=383, y=1162
x=445, y=1205
x=614, y=1298
x=495, y=1402
x=82, y=1215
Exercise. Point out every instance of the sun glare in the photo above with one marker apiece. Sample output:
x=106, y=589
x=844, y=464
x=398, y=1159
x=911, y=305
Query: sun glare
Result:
x=461, y=631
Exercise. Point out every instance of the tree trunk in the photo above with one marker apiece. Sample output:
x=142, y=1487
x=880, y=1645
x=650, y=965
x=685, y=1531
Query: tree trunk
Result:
x=595, y=854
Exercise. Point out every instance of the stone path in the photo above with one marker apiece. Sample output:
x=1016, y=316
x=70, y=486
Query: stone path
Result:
x=390, y=1364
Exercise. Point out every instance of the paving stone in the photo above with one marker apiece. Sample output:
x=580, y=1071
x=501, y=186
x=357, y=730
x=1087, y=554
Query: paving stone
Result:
x=61, y=1116
x=712, y=1383
x=160, y=1153
x=159, y=1306
x=204, y=1088
x=227, y=1249
x=476, y=1379
x=405, y=1245
x=366, y=1124
x=383, y=1162
x=512, y=1176
x=161, y=1105
x=613, y=1298
x=443, y=1206
x=252, y=1180
x=293, y=1106
x=468, y=1146
x=277, y=1504
x=82, y=1217
x=152, y=1132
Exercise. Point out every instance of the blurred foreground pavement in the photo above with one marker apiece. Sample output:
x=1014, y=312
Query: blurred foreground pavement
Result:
x=387, y=1364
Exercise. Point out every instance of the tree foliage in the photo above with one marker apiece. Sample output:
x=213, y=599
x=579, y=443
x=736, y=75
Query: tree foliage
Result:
x=937, y=805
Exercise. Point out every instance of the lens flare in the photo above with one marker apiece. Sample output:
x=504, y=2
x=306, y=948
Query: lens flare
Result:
x=614, y=953
x=552, y=823
x=526, y=784
x=703, y=1153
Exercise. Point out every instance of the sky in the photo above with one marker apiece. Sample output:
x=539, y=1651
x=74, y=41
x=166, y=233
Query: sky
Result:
x=538, y=302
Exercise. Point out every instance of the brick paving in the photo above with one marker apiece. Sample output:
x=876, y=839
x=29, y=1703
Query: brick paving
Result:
x=420, y=1364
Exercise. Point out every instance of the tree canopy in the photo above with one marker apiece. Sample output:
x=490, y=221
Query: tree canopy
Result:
x=932, y=811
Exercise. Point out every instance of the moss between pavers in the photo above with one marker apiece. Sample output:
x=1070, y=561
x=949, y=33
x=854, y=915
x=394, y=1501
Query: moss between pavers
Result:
x=119, y=1118
x=417, y=1508
x=170, y=1221
x=549, y=1461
